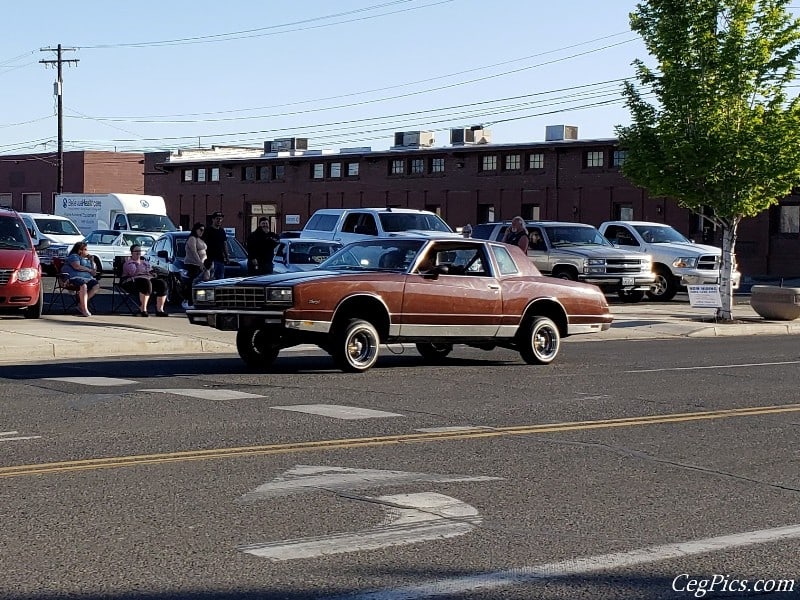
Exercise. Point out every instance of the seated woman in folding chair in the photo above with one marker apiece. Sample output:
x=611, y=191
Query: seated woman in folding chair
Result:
x=81, y=271
x=138, y=276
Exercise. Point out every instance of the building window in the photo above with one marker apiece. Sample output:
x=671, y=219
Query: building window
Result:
x=489, y=163
x=397, y=167
x=336, y=169
x=201, y=175
x=619, y=158
x=188, y=175
x=263, y=173
x=789, y=218
x=279, y=172
x=623, y=212
x=249, y=174
x=352, y=169
x=214, y=174
x=594, y=159
x=318, y=171
x=417, y=166
x=437, y=165
x=530, y=212
x=512, y=162
x=536, y=161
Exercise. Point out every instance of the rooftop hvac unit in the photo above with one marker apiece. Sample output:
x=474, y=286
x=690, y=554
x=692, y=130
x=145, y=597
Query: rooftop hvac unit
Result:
x=470, y=135
x=286, y=144
x=553, y=133
x=414, y=139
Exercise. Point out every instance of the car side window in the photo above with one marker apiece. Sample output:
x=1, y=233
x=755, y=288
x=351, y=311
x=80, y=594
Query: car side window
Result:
x=505, y=261
x=351, y=221
x=501, y=233
x=280, y=251
x=619, y=235
x=457, y=259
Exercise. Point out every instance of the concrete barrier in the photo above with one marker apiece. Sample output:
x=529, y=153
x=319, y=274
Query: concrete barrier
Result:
x=776, y=303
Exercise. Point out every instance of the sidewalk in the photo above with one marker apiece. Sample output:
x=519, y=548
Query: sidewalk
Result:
x=65, y=337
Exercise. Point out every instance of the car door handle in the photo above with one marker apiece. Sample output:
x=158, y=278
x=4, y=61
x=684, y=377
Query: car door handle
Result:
x=493, y=286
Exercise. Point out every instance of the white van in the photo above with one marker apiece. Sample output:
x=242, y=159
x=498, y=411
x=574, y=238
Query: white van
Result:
x=61, y=232
x=121, y=212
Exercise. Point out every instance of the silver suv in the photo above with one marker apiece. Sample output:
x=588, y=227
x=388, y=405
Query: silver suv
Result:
x=579, y=252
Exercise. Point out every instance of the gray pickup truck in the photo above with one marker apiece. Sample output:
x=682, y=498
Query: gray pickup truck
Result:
x=579, y=252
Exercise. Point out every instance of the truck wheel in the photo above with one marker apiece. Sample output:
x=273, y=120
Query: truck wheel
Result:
x=630, y=296
x=434, y=352
x=255, y=348
x=34, y=311
x=355, y=346
x=539, y=341
x=665, y=287
x=565, y=273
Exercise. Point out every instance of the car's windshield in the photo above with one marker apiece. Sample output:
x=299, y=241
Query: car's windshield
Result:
x=56, y=227
x=395, y=221
x=311, y=253
x=102, y=237
x=660, y=235
x=139, y=222
x=381, y=254
x=13, y=235
x=567, y=235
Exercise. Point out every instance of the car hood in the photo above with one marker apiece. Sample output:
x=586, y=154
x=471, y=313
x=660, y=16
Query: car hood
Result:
x=15, y=259
x=596, y=252
x=275, y=279
x=686, y=248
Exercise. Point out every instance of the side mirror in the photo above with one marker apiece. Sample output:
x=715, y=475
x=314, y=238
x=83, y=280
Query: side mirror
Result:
x=42, y=244
x=162, y=254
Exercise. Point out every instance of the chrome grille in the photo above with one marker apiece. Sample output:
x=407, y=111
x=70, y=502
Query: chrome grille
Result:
x=708, y=261
x=624, y=265
x=5, y=275
x=239, y=297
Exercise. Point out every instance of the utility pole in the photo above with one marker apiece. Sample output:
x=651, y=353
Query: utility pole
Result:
x=57, y=91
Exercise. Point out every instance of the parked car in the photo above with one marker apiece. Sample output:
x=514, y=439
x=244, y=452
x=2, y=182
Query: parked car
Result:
x=347, y=225
x=302, y=254
x=677, y=261
x=432, y=292
x=166, y=257
x=20, y=272
x=579, y=252
x=106, y=244
x=61, y=232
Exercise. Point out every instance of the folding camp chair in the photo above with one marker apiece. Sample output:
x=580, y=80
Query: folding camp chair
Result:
x=121, y=296
x=64, y=293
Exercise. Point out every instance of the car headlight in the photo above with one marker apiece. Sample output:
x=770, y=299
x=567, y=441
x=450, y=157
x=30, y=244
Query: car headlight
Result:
x=203, y=295
x=596, y=261
x=283, y=295
x=685, y=262
x=27, y=274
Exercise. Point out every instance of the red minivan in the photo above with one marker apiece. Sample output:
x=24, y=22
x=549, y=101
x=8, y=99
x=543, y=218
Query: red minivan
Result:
x=20, y=273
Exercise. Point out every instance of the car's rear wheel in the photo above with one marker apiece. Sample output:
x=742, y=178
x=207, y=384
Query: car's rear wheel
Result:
x=565, y=273
x=665, y=287
x=355, y=346
x=630, y=296
x=434, y=352
x=34, y=311
x=539, y=341
x=256, y=348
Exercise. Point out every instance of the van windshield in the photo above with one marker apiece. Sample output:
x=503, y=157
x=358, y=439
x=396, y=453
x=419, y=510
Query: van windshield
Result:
x=56, y=227
x=140, y=222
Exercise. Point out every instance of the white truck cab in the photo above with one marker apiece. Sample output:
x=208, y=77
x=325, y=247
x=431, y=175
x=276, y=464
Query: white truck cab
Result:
x=677, y=261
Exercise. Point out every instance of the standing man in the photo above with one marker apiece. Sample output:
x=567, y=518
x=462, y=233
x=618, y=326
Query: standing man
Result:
x=261, y=246
x=217, y=250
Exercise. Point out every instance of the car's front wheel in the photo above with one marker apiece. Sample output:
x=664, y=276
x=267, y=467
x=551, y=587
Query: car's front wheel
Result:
x=355, y=346
x=434, y=352
x=665, y=287
x=539, y=341
x=256, y=348
x=35, y=311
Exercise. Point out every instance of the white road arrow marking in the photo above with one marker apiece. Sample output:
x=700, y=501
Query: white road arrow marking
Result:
x=207, y=394
x=338, y=411
x=310, y=478
x=4, y=436
x=413, y=518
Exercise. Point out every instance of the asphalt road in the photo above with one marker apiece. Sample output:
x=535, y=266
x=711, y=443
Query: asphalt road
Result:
x=178, y=478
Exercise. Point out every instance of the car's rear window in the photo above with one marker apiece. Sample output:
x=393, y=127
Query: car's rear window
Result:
x=482, y=232
x=392, y=222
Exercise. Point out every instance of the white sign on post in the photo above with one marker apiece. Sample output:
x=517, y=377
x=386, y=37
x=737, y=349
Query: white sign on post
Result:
x=704, y=296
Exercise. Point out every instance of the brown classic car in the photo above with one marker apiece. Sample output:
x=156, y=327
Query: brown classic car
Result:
x=432, y=292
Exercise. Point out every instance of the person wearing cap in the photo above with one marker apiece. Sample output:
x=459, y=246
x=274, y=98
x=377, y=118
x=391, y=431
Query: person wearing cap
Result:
x=261, y=246
x=217, y=248
x=466, y=231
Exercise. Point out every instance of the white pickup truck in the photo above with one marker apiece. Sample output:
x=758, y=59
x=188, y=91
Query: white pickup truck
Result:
x=677, y=261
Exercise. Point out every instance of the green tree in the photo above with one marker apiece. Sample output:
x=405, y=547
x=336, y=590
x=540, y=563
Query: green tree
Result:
x=721, y=132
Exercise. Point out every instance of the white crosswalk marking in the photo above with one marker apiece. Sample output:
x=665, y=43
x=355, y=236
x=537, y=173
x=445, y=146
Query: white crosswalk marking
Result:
x=96, y=381
x=337, y=411
x=4, y=436
x=207, y=394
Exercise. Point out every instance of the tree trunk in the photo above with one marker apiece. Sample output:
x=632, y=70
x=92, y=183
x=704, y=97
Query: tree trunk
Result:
x=725, y=313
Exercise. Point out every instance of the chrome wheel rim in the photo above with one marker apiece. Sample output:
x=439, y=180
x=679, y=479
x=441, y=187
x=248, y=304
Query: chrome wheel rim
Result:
x=545, y=342
x=361, y=348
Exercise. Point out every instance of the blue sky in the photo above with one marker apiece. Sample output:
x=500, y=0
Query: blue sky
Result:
x=166, y=75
